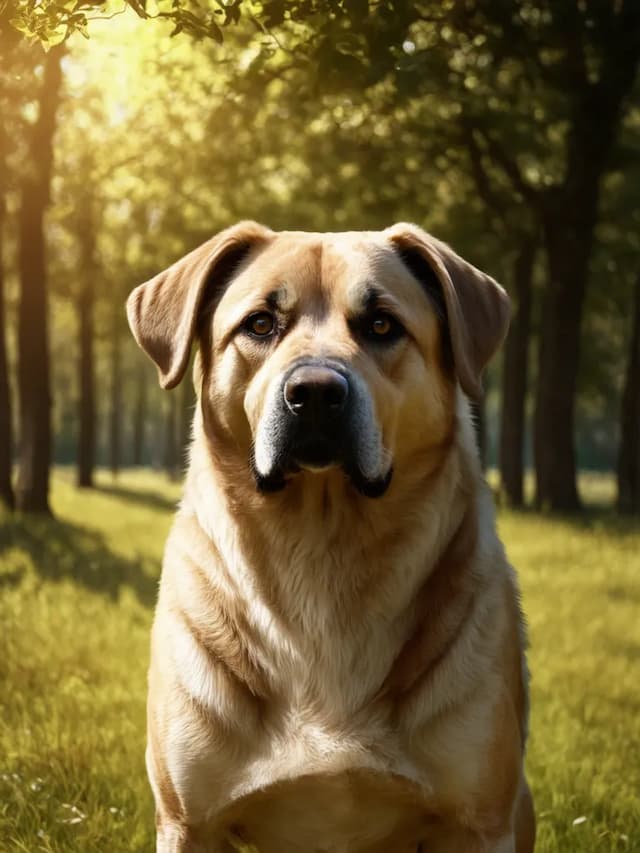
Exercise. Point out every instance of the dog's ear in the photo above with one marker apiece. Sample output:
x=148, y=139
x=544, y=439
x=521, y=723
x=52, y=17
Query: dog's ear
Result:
x=163, y=312
x=476, y=309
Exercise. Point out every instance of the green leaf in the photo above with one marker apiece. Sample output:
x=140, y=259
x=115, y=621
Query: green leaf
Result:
x=214, y=32
x=58, y=36
x=83, y=29
x=20, y=25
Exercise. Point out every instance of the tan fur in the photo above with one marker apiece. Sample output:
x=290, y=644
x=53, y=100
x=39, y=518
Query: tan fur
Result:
x=331, y=672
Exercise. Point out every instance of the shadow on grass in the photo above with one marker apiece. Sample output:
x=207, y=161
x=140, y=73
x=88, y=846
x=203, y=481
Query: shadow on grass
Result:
x=61, y=550
x=592, y=517
x=603, y=518
x=150, y=499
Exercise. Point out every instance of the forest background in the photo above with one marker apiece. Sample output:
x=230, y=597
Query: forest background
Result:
x=132, y=131
x=512, y=130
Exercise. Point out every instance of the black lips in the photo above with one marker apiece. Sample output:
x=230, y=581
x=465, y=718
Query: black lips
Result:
x=317, y=428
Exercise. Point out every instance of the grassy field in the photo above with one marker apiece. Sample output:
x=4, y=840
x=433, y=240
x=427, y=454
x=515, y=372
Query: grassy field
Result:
x=76, y=598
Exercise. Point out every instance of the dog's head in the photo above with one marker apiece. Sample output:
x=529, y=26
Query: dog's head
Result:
x=324, y=350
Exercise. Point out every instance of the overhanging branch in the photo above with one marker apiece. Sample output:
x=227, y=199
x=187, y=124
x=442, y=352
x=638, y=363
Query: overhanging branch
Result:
x=481, y=177
x=511, y=170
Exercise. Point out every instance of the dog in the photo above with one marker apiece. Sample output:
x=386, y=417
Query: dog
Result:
x=338, y=652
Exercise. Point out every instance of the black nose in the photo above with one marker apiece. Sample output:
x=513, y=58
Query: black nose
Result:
x=316, y=392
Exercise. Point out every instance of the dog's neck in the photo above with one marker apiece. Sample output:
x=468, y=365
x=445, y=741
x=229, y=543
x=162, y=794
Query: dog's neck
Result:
x=318, y=562
x=321, y=518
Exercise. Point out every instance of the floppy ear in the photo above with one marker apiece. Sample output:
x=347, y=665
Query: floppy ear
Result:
x=477, y=309
x=163, y=312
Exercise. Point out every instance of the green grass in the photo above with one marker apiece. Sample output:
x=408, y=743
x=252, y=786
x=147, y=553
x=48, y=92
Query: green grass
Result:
x=76, y=598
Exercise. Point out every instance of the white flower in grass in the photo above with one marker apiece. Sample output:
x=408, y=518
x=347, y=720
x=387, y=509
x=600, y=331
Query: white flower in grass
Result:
x=77, y=815
x=579, y=820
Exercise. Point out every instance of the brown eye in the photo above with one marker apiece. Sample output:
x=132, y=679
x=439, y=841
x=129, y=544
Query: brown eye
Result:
x=260, y=325
x=383, y=328
x=381, y=325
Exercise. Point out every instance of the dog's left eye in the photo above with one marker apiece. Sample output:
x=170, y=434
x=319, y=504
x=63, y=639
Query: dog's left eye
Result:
x=260, y=325
x=383, y=327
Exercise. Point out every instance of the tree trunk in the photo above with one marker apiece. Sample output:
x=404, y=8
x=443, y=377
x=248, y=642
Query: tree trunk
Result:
x=32, y=492
x=7, y=496
x=115, y=407
x=629, y=452
x=515, y=378
x=86, y=363
x=6, y=491
x=568, y=249
x=569, y=214
x=140, y=416
x=6, y=441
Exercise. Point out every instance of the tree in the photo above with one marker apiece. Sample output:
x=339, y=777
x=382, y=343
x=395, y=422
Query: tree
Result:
x=142, y=380
x=515, y=376
x=6, y=489
x=10, y=72
x=52, y=22
x=602, y=69
x=115, y=392
x=86, y=338
x=629, y=452
x=346, y=114
x=508, y=221
x=32, y=491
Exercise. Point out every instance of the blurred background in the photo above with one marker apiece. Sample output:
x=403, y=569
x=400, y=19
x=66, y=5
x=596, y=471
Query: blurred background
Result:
x=511, y=130
x=129, y=133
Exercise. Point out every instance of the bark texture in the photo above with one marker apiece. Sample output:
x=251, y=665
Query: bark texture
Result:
x=569, y=213
x=515, y=376
x=115, y=394
x=629, y=452
x=34, y=384
x=86, y=356
x=140, y=416
x=6, y=437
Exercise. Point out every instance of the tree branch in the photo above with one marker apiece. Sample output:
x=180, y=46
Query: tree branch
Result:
x=480, y=175
x=510, y=168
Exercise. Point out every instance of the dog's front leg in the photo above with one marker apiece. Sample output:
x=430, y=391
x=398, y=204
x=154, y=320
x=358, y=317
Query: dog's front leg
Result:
x=174, y=838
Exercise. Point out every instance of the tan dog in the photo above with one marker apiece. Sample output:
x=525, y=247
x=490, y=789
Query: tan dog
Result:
x=337, y=656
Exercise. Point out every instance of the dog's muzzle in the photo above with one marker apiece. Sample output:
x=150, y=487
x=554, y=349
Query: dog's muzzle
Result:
x=316, y=397
x=320, y=415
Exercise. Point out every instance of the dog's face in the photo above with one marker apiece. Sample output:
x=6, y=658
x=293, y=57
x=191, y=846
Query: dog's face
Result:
x=324, y=350
x=327, y=352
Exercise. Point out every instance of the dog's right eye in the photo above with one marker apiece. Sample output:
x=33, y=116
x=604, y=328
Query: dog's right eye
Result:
x=260, y=325
x=382, y=328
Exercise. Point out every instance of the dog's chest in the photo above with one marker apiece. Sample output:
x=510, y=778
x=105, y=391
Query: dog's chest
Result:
x=303, y=740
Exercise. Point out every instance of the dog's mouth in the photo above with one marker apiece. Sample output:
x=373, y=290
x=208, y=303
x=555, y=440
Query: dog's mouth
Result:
x=320, y=416
x=317, y=454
